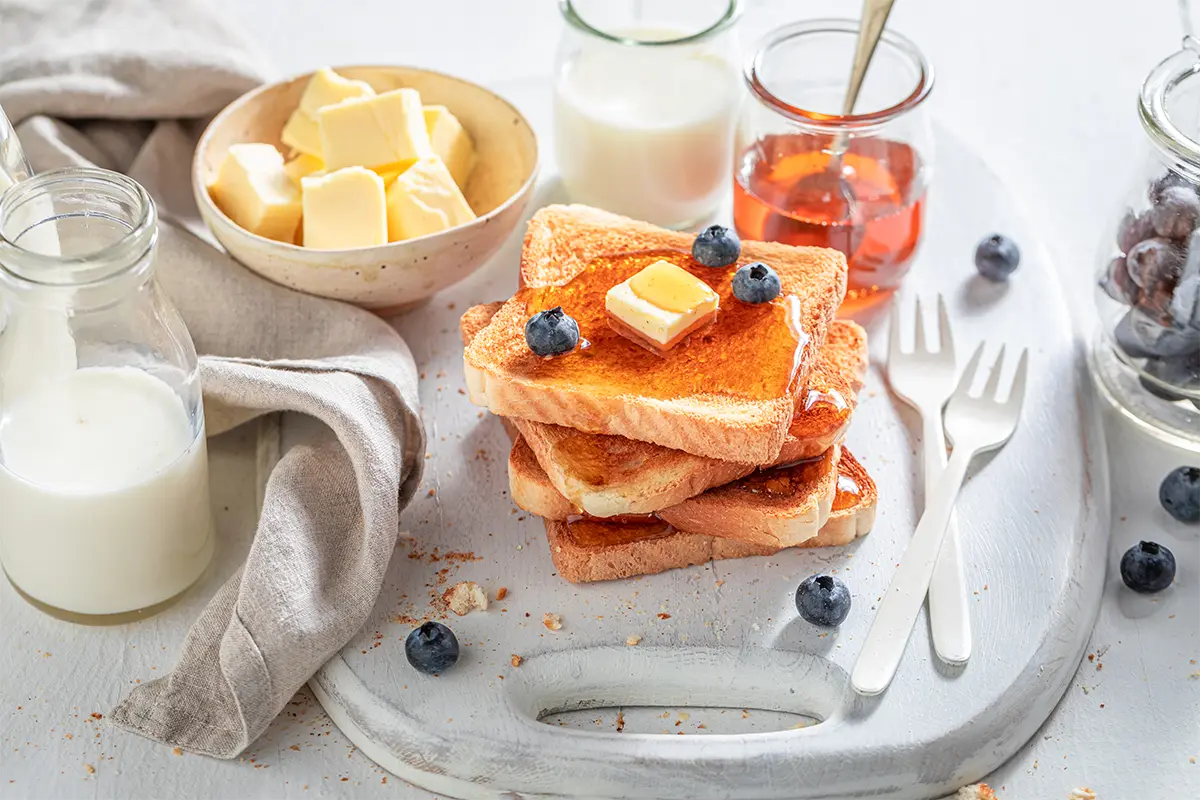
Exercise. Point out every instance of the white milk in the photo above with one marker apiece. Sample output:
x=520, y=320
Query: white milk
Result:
x=103, y=492
x=647, y=132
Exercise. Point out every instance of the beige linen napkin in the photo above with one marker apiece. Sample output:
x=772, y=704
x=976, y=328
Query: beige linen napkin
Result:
x=125, y=85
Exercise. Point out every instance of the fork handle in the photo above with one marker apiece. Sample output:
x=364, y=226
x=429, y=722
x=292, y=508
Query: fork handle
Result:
x=899, y=607
x=949, y=614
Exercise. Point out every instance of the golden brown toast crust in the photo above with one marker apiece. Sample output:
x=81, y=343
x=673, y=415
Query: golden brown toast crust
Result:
x=779, y=507
x=476, y=318
x=624, y=555
x=607, y=475
x=559, y=243
x=529, y=487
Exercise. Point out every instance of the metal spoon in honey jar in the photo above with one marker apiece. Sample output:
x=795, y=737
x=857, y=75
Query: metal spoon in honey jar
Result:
x=829, y=190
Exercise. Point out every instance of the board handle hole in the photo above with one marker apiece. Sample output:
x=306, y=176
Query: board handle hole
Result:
x=676, y=720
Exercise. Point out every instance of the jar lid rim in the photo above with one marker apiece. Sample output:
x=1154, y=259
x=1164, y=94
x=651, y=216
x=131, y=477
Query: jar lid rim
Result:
x=1171, y=72
x=21, y=264
x=753, y=76
x=731, y=14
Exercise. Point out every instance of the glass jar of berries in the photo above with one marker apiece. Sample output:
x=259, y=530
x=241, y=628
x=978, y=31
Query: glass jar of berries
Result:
x=1147, y=355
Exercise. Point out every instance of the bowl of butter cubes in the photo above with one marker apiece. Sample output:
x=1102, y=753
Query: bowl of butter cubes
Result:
x=378, y=186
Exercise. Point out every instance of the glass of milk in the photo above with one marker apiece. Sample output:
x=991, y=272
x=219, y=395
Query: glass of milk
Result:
x=645, y=103
x=104, y=506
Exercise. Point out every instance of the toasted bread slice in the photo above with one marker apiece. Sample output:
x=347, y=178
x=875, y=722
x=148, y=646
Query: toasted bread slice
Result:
x=604, y=475
x=583, y=390
x=778, y=507
x=594, y=550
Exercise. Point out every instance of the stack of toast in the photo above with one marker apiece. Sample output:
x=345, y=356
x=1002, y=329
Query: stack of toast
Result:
x=728, y=445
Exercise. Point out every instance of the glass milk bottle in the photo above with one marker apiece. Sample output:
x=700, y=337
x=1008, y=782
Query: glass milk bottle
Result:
x=645, y=102
x=103, y=467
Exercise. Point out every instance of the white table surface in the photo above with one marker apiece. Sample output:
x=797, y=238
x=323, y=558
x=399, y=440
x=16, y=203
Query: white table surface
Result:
x=1045, y=89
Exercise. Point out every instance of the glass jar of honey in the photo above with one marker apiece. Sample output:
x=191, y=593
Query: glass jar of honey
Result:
x=806, y=174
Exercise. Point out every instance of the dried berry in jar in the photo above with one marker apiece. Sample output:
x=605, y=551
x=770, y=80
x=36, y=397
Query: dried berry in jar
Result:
x=1164, y=182
x=1117, y=284
x=1175, y=214
x=1155, y=266
x=1134, y=228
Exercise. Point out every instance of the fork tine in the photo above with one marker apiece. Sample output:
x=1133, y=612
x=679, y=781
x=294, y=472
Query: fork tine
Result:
x=1016, y=393
x=919, y=340
x=968, y=376
x=945, y=336
x=993, y=381
x=894, y=333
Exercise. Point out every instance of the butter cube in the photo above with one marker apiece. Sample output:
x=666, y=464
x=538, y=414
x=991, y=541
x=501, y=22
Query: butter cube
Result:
x=326, y=88
x=450, y=143
x=301, y=165
x=254, y=191
x=425, y=199
x=302, y=134
x=388, y=128
x=661, y=304
x=344, y=209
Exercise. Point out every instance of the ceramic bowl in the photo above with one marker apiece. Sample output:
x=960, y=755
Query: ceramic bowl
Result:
x=391, y=277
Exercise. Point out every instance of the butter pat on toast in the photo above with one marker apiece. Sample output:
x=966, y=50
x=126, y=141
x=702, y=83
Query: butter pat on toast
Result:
x=595, y=550
x=605, y=475
x=728, y=393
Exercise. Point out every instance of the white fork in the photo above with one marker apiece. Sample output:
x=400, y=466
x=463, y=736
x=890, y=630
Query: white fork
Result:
x=975, y=424
x=925, y=380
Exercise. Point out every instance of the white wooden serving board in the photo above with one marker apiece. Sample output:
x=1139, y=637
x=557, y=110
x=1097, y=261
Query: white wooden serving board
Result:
x=726, y=636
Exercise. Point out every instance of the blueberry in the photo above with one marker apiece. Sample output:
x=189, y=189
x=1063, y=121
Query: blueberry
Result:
x=1134, y=228
x=551, y=332
x=432, y=648
x=716, y=246
x=1117, y=284
x=1142, y=336
x=1128, y=340
x=1180, y=494
x=1182, y=374
x=996, y=257
x=1148, y=567
x=823, y=600
x=1164, y=182
x=756, y=283
x=1185, y=303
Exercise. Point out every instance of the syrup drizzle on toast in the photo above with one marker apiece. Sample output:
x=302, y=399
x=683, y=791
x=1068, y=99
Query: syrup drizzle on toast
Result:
x=751, y=352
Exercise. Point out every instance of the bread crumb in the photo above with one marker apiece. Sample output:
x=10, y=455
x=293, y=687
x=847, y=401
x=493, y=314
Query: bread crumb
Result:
x=177, y=751
x=516, y=660
x=552, y=621
x=663, y=615
x=464, y=597
x=978, y=791
x=89, y=769
x=1082, y=793
x=502, y=593
x=632, y=640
